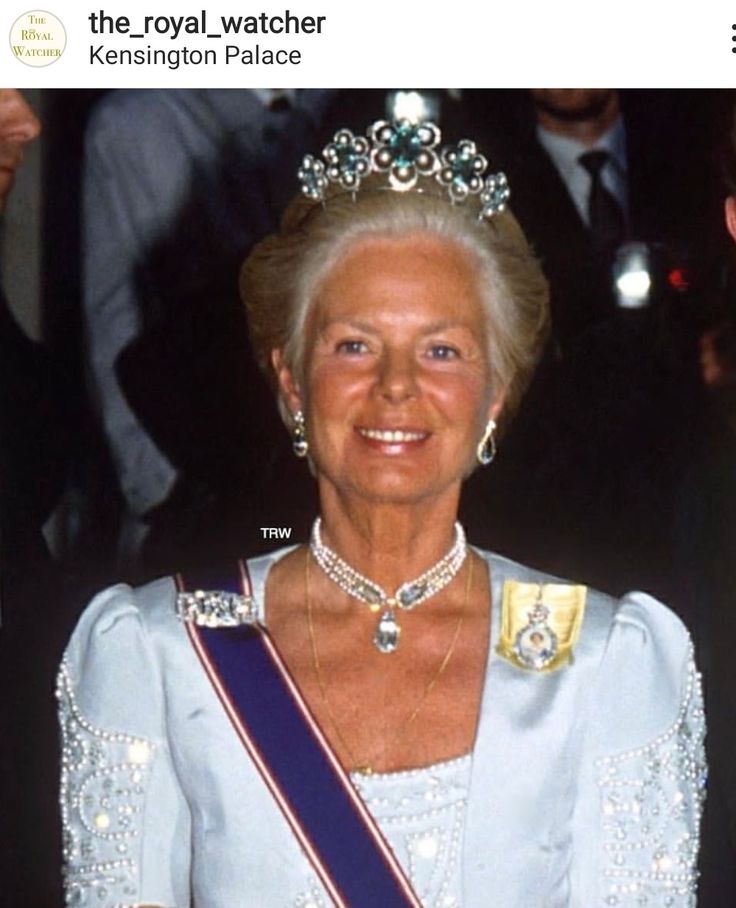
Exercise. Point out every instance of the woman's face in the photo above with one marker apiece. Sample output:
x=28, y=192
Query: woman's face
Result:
x=396, y=388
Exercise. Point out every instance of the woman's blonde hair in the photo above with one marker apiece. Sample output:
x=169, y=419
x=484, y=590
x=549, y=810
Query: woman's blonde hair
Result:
x=281, y=275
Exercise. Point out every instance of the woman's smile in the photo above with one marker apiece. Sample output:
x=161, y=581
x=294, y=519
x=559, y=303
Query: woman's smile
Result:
x=392, y=436
x=393, y=442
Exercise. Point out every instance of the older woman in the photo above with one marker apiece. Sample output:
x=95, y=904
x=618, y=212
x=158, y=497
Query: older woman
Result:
x=384, y=716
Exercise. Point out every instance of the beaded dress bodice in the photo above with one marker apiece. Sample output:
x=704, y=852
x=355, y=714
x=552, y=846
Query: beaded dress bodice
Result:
x=421, y=813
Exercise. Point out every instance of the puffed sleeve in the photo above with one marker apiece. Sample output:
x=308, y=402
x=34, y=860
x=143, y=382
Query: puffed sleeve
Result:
x=126, y=824
x=648, y=760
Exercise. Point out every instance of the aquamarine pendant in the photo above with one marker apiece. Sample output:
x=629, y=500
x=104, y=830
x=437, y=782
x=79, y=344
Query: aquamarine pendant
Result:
x=386, y=638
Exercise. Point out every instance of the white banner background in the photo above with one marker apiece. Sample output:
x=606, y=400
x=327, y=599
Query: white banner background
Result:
x=388, y=43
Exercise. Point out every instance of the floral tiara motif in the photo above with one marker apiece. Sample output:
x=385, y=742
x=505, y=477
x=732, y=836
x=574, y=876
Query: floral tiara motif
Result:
x=405, y=151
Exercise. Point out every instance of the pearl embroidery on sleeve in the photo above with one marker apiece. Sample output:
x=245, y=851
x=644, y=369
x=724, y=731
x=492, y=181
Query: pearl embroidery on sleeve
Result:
x=103, y=787
x=651, y=800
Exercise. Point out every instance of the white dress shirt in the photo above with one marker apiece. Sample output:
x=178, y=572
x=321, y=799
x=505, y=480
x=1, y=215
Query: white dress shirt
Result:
x=565, y=154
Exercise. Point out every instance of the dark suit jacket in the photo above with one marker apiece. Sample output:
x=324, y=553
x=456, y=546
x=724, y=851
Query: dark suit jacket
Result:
x=32, y=442
x=33, y=435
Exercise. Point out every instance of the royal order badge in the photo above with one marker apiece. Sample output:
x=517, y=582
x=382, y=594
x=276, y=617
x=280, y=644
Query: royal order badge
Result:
x=540, y=624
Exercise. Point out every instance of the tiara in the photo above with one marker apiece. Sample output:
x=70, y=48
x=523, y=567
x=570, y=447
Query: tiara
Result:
x=405, y=151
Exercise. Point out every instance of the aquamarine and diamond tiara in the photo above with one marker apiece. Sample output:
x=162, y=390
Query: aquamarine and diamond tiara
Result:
x=405, y=151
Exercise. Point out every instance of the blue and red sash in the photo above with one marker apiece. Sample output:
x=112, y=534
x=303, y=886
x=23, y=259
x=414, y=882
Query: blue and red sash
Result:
x=314, y=793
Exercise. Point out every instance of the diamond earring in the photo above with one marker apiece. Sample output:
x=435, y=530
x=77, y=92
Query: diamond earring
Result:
x=486, y=450
x=299, y=442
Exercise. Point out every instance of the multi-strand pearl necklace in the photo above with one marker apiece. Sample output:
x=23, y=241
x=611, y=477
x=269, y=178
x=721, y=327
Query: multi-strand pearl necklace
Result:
x=408, y=596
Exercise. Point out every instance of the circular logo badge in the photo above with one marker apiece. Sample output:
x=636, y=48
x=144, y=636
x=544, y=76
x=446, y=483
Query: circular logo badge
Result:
x=37, y=38
x=536, y=646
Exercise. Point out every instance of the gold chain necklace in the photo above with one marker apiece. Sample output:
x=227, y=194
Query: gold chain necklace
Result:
x=365, y=768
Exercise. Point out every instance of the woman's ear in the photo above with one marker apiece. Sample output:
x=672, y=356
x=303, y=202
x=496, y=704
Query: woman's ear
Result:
x=496, y=407
x=288, y=385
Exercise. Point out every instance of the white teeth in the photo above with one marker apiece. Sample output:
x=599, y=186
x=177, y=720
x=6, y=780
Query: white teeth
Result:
x=395, y=436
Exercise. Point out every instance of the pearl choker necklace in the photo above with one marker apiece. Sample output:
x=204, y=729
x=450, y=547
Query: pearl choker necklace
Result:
x=408, y=596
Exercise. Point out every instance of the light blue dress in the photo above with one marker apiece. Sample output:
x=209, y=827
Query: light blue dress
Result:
x=584, y=787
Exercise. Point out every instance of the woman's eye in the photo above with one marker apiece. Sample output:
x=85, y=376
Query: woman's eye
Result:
x=443, y=351
x=351, y=347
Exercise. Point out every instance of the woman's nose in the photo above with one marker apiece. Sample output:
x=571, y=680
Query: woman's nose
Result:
x=18, y=123
x=397, y=375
